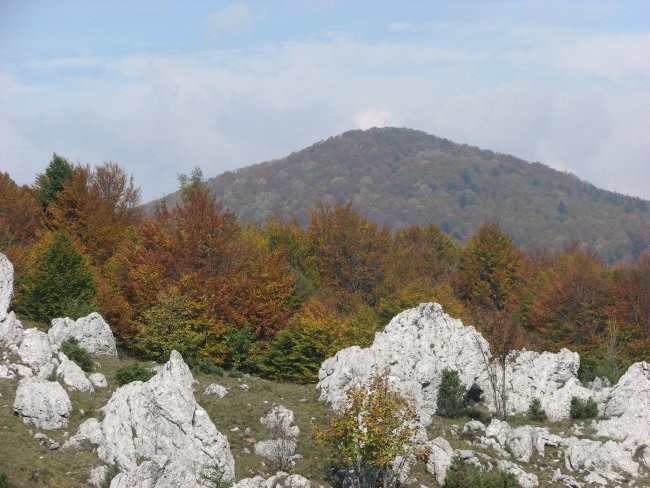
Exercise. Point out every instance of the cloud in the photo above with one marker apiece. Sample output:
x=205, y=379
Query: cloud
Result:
x=371, y=117
x=235, y=19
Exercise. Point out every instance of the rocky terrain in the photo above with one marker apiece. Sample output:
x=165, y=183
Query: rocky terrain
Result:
x=176, y=430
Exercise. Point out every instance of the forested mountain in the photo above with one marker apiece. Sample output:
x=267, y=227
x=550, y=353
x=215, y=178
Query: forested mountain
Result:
x=402, y=177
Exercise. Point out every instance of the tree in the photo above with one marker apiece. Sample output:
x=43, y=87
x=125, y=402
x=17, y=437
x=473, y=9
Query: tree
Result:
x=451, y=395
x=49, y=184
x=20, y=214
x=59, y=283
x=375, y=433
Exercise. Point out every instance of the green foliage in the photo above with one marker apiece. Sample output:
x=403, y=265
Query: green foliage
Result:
x=61, y=283
x=49, y=184
x=451, y=395
x=583, y=410
x=536, y=412
x=376, y=426
x=235, y=373
x=192, y=183
x=213, y=477
x=239, y=343
x=208, y=366
x=465, y=475
x=133, y=372
x=78, y=354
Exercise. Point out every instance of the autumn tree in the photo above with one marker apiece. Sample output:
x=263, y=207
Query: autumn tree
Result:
x=20, y=214
x=49, y=184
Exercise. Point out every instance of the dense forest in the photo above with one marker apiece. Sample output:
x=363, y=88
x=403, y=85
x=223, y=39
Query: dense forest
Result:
x=278, y=297
x=404, y=177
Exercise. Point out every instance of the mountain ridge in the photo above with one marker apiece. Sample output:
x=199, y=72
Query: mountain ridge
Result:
x=400, y=177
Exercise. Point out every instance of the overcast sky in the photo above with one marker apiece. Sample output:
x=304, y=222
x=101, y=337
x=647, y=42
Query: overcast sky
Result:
x=162, y=86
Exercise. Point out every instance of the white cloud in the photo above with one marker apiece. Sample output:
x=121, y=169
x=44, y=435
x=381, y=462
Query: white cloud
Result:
x=372, y=117
x=235, y=19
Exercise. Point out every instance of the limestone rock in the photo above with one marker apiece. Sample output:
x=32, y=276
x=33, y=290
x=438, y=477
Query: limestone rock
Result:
x=278, y=451
x=526, y=480
x=278, y=421
x=72, y=375
x=98, y=380
x=607, y=460
x=97, y=475
x=157, y=433
x=415, y=347
x=43, y=404
x=5, y=372
x=21, y=370
x=92, y=333
x=565, y=479
x=216, y=390
x=11, y=330
x=440, y=458
x=6, y=285
x=35, y=351
x=279, y=480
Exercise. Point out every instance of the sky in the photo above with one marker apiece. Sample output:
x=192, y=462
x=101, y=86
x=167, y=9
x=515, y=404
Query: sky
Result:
x=163, y=86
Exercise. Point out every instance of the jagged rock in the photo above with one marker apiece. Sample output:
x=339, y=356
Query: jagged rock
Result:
x=415, y=347
x=92, y=333
x=520, y=441
x=21, y=370
x=97, y=475
x=440, y=457
x=72, y=375
x=526, y=480
x=565, y=479
x=156, y=431
x=5, y=372
x=278, y=421
x=278, y=451
x=607, y=459
x=279, y=480
x=6, y=285
x=474, y=425
x=35, y=351
x=216, y=390
x=44, y=404
x=11, y=330
x=46, y=442
x=98, y=380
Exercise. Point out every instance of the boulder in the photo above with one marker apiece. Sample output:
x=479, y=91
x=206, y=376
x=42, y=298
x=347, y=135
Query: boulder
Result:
x=72, y=375
x=565, y=479
x=216, y=390
x=98, y=380
x=92, y=333
x=415, y=347
x=609, y=460
x=278, y=421
x=279, y=480
x=439, y=459
x=35, y=351
x=11, y=330
x=526, y=480
x=278, y=451
x=157, y=433
x=43, y=404
x=5, y=372
x=522, y=441
x=6, y=285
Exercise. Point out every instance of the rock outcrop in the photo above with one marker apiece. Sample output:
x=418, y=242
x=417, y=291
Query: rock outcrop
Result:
x=11, y=330
x=415, y=348
x=43, y=404
x=156, y=431
x=36, y=352
x=92, y=333
x=279, y=480
x=278, y=421
x=6, y=285
x=72, y=375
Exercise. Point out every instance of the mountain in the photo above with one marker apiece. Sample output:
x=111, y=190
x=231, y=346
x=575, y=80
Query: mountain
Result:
x=400, y=177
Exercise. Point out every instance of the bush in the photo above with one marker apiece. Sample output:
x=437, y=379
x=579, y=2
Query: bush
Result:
x=235, y=373
x=583, y=410
x=133, y=372
x=4, y=481
x=451, y=395
x=464, y=475
x=208, y=367
x=78, y=354
x=536, y=412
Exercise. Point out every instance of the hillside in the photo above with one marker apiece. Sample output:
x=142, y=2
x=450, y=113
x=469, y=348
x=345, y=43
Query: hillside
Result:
x=400, y=177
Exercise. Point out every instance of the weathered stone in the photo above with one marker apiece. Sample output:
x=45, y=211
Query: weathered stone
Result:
x=5, y=372
x=608, y=459
x=97, y=475
x=216, y=390
x=475, y=426
x=440, y=458
x=415, y=347
x=21, y=370
x=278, y=421
x=278, y=451
x=526, y=480
x=35, y=351
x=92, y=333
x=6, y=285
x=565, y=479
x=43, y=404
x=156, y=431
x=11, y=330
x=279, y=480
x=72, y=375
x=98, y=380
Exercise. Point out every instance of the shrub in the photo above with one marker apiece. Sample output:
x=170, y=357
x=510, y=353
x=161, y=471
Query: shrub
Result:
x=583, y=410
x=239, y=342
x=235, y=373
x=465, y=475
x=451, y=395
x=536, y=412
x=78, y=354
x=4, y=481
x=208, y=367
x=133, y=372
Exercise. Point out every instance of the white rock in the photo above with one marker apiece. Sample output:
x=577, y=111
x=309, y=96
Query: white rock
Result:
x=415, y=347
x=160, y=422
x=44, y=404
x=216, y=390
x=6, y=285
x=608, y=459
x=35, y=351
x=92, y=333
x=21, y=370
x=278, y=421
x=97, y=475
x=72, y=375
x=98, y=380
x=474, y=425
x=440, y=458
x=279, y=480
x=278, y=451
x=565, y=479
x=526, y=480
x=11, y=330
x=5, y=372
